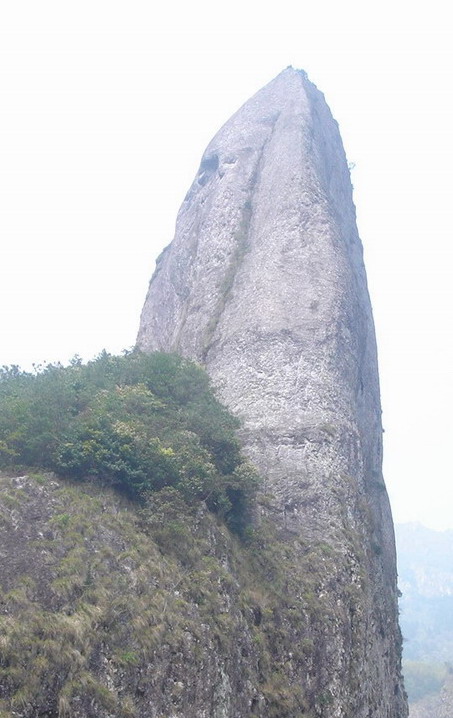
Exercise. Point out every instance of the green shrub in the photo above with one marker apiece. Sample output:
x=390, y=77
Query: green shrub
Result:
x=138, y=422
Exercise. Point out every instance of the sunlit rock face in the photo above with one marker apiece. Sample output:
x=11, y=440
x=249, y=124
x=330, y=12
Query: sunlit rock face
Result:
x=264, y=284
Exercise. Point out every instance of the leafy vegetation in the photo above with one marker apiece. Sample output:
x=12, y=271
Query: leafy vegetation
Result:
x=137, y=422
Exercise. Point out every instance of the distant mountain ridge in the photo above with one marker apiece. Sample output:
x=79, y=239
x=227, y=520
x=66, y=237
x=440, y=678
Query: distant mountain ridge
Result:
x=437, y=706
x=425, y=559
x=425, y=568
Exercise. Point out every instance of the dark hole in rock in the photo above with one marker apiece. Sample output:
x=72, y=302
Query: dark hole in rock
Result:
x=257, y=615
x=209, y=164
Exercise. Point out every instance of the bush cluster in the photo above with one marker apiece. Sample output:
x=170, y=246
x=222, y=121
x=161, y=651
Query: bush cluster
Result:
x=138, y=422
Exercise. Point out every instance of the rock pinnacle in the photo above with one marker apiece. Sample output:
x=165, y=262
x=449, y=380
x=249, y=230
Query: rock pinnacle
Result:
x=264, y=284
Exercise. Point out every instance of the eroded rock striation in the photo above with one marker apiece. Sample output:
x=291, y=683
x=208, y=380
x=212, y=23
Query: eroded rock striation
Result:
x=264, y=284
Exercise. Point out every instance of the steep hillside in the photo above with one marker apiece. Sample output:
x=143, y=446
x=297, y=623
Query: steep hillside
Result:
x=108, y=609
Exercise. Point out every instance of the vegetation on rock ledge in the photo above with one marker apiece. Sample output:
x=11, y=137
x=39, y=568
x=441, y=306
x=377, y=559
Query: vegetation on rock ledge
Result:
x=139, y=423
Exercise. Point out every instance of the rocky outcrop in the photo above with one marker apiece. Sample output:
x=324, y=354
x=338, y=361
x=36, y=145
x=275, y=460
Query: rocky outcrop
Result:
x=264, y=283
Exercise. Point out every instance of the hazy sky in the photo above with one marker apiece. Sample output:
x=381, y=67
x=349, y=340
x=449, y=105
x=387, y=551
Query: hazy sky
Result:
x=106, y=110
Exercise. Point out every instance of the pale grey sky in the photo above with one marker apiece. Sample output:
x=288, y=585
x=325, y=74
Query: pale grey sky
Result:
x=106, y=110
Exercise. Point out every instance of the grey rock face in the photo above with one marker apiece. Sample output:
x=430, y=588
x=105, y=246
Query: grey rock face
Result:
x=264, y=284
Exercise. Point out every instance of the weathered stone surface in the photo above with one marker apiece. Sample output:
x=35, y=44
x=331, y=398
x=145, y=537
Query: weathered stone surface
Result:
x=264, y=283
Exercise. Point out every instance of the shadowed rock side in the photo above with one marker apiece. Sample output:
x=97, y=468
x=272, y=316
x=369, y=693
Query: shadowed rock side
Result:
x=264, y=283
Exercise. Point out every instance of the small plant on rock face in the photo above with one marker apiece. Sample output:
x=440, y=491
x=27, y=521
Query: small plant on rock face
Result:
x=39, y=478
x=129, y=658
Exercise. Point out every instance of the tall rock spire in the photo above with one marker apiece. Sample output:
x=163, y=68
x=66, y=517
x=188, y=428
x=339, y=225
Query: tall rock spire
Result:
x=264, y=284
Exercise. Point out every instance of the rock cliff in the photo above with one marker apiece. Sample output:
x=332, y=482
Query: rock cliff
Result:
x=264, y=284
